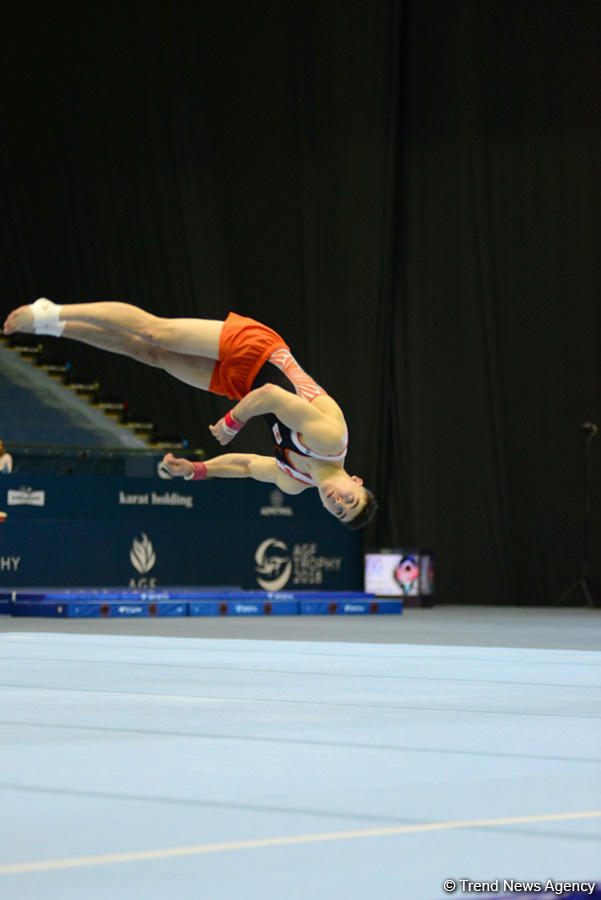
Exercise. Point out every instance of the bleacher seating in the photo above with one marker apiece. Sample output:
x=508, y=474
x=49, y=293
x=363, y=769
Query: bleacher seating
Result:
x=37, y=409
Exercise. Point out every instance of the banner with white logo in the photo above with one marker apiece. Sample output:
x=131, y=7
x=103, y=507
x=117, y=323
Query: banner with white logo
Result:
x=106, y=531
x=25, y=497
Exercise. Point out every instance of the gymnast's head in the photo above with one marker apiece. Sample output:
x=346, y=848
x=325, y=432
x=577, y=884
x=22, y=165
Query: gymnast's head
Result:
x=345, y=497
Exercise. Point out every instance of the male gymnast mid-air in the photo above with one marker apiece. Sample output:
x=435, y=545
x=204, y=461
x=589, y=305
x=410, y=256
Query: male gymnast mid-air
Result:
x=243, y=360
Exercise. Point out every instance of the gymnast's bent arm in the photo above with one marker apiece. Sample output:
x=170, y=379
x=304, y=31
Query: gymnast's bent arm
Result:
x=297, y=413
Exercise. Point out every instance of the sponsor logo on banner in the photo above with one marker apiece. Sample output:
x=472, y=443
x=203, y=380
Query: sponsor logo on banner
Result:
x=142, y=555
x=153, y=498
x=272, y=564
x=277, y=506
x=142, y=558
x=26, y=496
x=9, y=563
x=276, y=565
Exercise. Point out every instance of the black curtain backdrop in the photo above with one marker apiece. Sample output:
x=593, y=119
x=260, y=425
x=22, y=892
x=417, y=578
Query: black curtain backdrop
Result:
x=408, y=191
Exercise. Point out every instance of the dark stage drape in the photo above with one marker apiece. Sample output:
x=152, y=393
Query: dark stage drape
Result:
x=408, y=191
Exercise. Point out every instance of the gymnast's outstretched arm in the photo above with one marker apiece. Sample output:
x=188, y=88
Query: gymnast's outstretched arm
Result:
x=232, y=465
x=228, y=465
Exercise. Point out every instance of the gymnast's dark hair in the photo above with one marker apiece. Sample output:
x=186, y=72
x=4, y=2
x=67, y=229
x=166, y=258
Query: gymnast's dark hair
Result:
x=367, y=513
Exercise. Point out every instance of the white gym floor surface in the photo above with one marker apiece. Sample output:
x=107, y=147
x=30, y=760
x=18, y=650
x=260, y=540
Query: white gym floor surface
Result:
x=299, y=758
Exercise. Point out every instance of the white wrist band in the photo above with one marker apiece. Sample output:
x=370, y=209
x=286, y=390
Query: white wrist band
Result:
x=46, y=317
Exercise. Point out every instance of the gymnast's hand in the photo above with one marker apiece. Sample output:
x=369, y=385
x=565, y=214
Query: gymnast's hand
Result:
x=221, y=433
x=176, y=467
x=226, y=429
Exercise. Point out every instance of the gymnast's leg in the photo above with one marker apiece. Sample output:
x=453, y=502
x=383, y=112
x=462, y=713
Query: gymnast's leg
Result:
x=197, y=337
x=193, y=370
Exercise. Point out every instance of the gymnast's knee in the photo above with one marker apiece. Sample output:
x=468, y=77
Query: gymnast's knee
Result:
x=146, y=352
x=157, y=331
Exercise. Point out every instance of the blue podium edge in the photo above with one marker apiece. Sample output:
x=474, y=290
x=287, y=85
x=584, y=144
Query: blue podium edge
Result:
x=110, y=603
x=83, y=610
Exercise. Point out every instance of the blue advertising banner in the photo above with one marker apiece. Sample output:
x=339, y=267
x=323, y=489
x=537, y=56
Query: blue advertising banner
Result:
x=77, y=531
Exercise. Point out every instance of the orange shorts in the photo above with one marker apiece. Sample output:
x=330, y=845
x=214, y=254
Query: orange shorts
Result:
x=244, y=346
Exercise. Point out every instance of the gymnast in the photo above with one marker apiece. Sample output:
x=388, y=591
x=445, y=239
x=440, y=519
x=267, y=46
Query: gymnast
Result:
x=243, y=360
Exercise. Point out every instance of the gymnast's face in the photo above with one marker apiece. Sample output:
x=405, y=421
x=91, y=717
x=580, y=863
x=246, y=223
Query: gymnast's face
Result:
x=343, y=495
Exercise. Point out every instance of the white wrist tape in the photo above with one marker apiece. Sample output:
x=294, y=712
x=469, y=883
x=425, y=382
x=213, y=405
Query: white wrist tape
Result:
x=45, y=317
x=231, y=426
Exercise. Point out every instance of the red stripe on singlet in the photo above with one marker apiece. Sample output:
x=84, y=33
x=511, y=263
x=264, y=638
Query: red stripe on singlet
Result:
x=304, y=385
x=288, y=469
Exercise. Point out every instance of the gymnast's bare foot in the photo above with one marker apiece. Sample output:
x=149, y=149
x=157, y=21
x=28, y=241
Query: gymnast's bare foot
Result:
x=42, y=317
x=20, y=319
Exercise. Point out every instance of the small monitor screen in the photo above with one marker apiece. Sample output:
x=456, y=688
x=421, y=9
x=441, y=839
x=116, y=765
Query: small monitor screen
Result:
x=399, y=573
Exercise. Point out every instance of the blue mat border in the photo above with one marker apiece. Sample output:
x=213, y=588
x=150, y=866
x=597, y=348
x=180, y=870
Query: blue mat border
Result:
x=114, y=602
